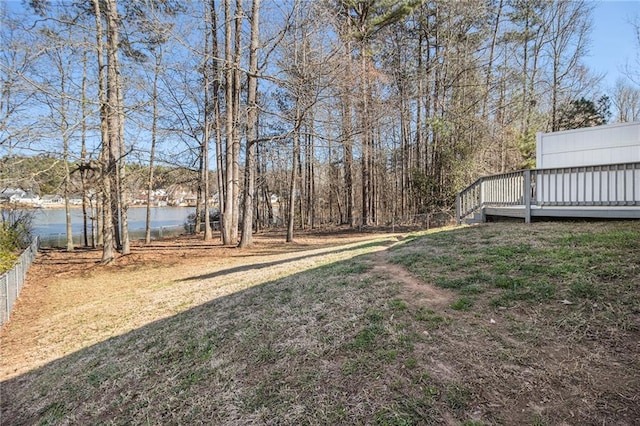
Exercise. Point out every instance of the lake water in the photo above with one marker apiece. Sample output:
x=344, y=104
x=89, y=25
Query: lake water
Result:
x=49, y=223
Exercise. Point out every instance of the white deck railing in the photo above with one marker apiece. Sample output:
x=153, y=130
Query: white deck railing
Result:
x=604, y=185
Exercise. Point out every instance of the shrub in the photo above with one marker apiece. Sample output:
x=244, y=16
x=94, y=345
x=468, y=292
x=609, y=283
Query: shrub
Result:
x=9, y=247
x=190, y=222
x=15, y=235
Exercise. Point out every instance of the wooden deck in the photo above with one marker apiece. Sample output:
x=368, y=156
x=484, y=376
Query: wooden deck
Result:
x=577, y=212
x=604, y=192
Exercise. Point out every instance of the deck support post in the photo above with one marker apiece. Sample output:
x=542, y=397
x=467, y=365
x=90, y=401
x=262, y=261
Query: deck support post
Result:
x=527, y=196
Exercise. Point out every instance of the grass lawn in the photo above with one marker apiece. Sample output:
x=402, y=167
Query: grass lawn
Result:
x=497, y=324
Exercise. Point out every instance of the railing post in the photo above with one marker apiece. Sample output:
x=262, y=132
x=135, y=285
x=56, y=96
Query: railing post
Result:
x=527, y=196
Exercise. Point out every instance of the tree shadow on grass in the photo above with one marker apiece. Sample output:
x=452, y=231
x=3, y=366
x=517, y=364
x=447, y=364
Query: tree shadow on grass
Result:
x=210, y=364
x=262, y=265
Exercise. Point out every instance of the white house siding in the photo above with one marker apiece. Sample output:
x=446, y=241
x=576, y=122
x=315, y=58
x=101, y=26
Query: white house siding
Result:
x=585, y=155
x=609, y=144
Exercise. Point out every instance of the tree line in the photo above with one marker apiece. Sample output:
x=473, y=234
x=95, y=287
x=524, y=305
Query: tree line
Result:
x=356, y=112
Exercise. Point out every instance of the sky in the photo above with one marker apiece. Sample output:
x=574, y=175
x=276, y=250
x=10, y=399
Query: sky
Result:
x=613, y=42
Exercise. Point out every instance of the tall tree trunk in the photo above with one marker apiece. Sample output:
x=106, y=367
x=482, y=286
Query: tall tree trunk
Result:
x=83, y=154
x=299, y=185
x=207, y=77
x=266, y=194
x=108, y=249
x=67, y=185
x=252, y=129
x=217, y=119
x=309, y=177
x=295, y=159
x=366, y=133
x=199, y=217
x=113, y=117
x=154, y=136
x=122, y=178
x=294, y=172
x=227, y=217
x=525, y=64
x=489, y=73
x=500, y=118
x=64, y=131
x=347, y=142
x=205, y=180
x=236, y=116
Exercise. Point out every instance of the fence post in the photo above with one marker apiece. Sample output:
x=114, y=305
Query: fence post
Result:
x=12, y=294
x=458, y=209
x=527, y=196
x=4, y=298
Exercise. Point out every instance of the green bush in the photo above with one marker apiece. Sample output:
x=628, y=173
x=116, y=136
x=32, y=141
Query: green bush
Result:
x=15, y=235
x=9, y=247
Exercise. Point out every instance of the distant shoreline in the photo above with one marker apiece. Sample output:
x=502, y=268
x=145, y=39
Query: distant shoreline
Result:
x=79, y=206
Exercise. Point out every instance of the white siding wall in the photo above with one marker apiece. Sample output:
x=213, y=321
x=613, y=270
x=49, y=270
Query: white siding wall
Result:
x=609, y=144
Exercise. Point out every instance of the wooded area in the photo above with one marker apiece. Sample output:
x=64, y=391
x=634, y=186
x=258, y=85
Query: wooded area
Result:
x=358, y=112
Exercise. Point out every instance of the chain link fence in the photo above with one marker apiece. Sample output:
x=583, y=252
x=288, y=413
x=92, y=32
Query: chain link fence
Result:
x=11, y=282
x=60, y=239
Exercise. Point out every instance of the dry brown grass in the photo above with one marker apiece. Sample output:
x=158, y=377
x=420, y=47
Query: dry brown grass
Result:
x=336, y=329
x=71, y=301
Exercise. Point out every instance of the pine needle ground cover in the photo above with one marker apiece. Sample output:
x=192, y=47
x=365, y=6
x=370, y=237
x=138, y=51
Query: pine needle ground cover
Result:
x=498, y=324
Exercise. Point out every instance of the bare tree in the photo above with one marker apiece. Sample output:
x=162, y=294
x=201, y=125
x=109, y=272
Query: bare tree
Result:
x=108, y=243
x=626, y=100
x=58, y=101
x=570, y=25
x=18, y=57
x=157, y=55
x=252, y=129
x=230, y=214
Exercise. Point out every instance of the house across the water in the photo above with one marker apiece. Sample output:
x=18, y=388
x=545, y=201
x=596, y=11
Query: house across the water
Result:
x=52, y=200
x=19, y=196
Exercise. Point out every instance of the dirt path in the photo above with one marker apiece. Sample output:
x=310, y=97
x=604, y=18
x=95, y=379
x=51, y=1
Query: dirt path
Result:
x=414, y=290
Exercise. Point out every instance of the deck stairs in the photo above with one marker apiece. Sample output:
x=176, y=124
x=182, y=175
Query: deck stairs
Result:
x=476, y=217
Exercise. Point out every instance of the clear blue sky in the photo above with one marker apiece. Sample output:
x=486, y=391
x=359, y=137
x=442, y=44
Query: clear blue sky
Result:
x=613, y=43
